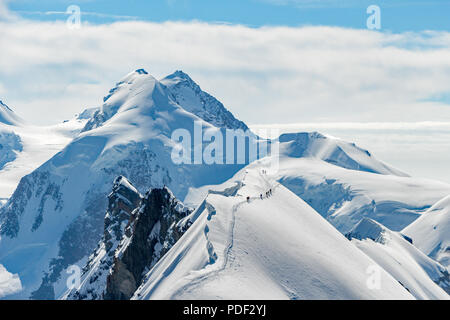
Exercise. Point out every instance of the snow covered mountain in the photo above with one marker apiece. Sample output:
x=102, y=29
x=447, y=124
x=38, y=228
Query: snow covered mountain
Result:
x=272, y=248
x=334, y=151
x=56, y=216
x=129, y=136
x=138, y=232
x=226, y=249
x=189, y=95
x=394, y=252
x=181, y=89
x=345, y=183
x=431, y=232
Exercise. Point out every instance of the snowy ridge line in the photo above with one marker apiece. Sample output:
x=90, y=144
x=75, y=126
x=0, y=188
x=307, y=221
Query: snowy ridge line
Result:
x=233, y=222
x=229, y=247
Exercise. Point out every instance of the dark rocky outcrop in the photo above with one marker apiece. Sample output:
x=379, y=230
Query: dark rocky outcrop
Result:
x=138, y=231
x=153, y=229
x=123, y=199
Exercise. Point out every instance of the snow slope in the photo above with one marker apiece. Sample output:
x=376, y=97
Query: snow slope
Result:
x=421, y=275
x=431, y=232
x=344, y=183
x=276, y=248
x=24, y=147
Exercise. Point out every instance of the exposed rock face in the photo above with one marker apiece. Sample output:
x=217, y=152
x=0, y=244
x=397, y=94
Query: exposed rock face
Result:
x=138, y=231
x=154, y=228
x=36, y=184
x=192, y=98
x=123, y=199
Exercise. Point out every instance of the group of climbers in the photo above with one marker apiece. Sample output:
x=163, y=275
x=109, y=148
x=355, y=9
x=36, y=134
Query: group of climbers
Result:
x=268, y=194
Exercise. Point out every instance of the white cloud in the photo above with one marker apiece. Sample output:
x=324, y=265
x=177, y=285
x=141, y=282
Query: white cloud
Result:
x=364, y=126
x=5, y=13
x=266, y=74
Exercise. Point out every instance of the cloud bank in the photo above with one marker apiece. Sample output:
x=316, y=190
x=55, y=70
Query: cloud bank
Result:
x=48, y=72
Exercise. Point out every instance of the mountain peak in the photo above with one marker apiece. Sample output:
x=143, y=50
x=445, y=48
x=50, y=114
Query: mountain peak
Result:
x=123, y=183
x=141, y=71
x=188, y=94
x=334, y=151
x=131, y=78
x=138, y=92
x=5, y=106
x=180, y=78
x=367, y=229
x=7, y=116
x=181, y=75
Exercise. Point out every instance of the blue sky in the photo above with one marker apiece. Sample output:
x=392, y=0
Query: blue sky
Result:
x=397, y=15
